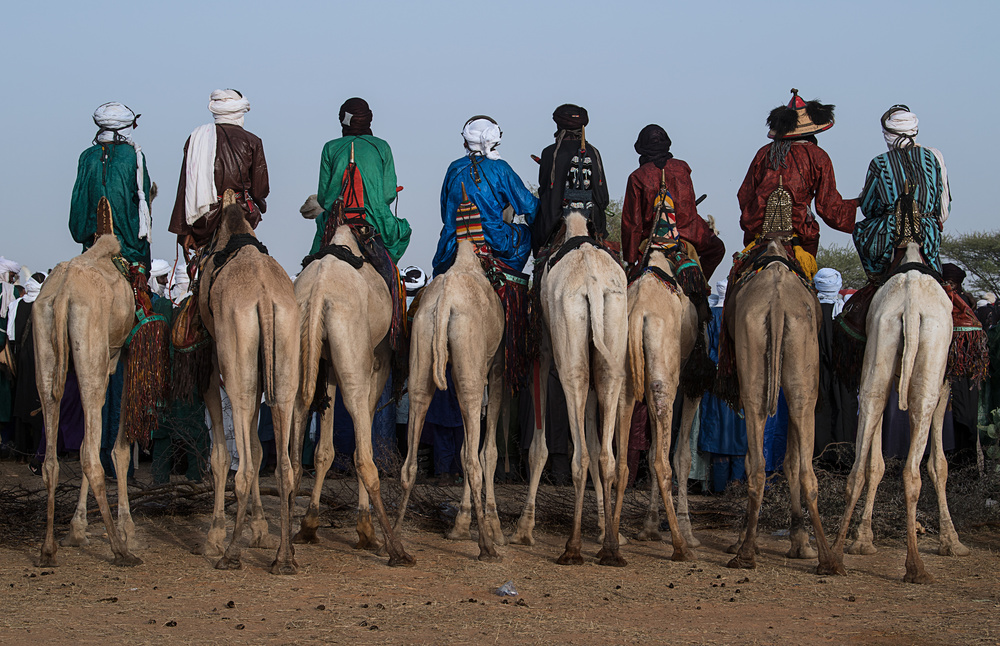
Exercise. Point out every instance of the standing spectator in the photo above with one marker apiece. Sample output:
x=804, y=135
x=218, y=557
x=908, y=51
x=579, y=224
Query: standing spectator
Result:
x=837, y=405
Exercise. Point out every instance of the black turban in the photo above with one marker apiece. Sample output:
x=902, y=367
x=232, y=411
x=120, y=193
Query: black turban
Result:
x=360, y=121
x=570, y=117
x=653, y=145
x=953, y=273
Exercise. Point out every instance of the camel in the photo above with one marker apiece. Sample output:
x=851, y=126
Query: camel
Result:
x=248, y=306
x=662, y=330
x=345, y=315
x=82, y=317
x=584, y=305
x=460, y=321
x=774, y=321
x=909, y=331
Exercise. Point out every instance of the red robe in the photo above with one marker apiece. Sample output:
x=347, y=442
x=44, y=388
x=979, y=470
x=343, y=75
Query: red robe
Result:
x=637, y=213
x=808, y=176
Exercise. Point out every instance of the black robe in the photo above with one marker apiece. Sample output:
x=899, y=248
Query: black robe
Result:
x=550, y=191
x=837, y=405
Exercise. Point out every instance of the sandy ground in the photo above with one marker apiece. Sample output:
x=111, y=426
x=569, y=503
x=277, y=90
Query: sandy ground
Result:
x=342, y=595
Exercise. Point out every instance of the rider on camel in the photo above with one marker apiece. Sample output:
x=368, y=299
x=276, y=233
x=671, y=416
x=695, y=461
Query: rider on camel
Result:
x=558, y=171
x=656, y=164
x=114, y=167
x=217, y=157
x=373, y=158
x=792, y=172
x=492, y=185
x=906, y=167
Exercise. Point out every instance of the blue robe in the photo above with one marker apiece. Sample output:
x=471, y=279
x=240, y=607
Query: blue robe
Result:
x=499, y=186
x=723, y=431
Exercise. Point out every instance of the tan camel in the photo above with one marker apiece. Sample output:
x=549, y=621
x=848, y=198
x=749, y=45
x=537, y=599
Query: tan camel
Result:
x=774, y=321
x=460, y=321
x=585, y=309
x=346, y=314
x=909, y=330
x=82, y=317
x=662, y=330
x=248, y=306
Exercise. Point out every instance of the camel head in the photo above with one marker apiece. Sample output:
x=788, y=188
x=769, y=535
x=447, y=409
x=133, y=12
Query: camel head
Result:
x=104, y=247
x=311, y=208
x=576, y=224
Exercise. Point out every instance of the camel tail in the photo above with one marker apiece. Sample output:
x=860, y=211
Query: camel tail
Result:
x=596, y=299
x=439, y=343
x=775, y=331
x=268, y=347
x=911, y=341
x=311, y=347
x=60, y=342
x=636, y=355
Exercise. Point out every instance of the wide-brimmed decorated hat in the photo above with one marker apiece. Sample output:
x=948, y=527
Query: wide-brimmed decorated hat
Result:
x=799, y=118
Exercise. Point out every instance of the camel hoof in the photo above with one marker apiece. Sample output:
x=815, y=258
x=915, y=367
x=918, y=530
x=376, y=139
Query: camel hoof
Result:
x=75, y=541
x=209, y=549
x=857, y=547
x=459, y=535
x=683, y=555
x=613, y=559
x=489, y=556
x=522, y=539
x=126, y=560
x=733, y=549
x=403, y=560
x=305, y=537
x=226, y=563
x=570, y=558
x=739, y=562
x=919, y=577
x=284, y=568
x=370, y=544
x=47, y=560
x=834, y=568
x=649, y=535
x=264, y=542
x=953, y=549
x=692, y=541
x=801, y=552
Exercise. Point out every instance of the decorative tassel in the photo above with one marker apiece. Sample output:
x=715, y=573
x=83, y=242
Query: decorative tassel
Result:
x=146, y=366
x=517, y=352
x=727, y=380
x=968, y=355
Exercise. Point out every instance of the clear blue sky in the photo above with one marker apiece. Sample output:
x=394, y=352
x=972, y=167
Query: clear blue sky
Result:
x=709, y=72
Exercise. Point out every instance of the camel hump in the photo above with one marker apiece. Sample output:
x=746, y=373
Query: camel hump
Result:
x=105, y=246
x=228, y=198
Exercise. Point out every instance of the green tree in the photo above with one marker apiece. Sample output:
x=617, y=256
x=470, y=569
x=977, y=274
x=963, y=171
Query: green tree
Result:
x=844, y=259
x=613, y=216
x=979, y=253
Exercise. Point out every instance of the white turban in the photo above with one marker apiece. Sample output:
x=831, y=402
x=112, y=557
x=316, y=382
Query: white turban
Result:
x=414, y=278
x=8, y=266
x=828, y=283
x=158, y=267
x=228, y=106
x=117, y=120
x=178, y=283
x=31, y=289
x=899, y=130
x=6, y=285
x=720, y=289
x=482, y=136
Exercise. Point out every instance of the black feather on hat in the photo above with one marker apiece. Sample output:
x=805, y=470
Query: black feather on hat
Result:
x=799, y=118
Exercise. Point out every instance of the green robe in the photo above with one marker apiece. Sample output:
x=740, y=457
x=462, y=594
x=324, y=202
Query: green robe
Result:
x=378, y=175
x=113, y=178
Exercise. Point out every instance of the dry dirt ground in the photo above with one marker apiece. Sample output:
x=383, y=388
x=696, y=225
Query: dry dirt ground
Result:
x=346, y=596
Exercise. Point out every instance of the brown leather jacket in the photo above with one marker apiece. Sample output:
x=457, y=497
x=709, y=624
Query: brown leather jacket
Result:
x=239, y=165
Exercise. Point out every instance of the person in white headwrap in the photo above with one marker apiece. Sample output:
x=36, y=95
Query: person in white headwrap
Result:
x=159, y=274
x=907, y=166
x=492, y=185
x=179, y=284
x=32, y=286
x=9, y=289
x=828, y=282
x=114, y=167
x=219, y=156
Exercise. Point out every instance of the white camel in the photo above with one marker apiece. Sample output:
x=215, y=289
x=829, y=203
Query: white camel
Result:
x=460, y=321
x=584, y=304
x=346, y=312
x=909, y=331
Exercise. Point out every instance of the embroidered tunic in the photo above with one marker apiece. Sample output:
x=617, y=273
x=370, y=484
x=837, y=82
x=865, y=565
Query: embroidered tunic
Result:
x=498, y=186
x=108, y=170
x=378, y=176
x=807, y=174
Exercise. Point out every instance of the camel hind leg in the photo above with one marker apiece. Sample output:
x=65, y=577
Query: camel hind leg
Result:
x=538, y=452
x=682, y=466
x=120, y=457
x=920, y=420
x=499, y=399
x=421, y=389
x=937, y=469
x=260, y=533
x=221, y=460
x=77, y=536
x=322, y=460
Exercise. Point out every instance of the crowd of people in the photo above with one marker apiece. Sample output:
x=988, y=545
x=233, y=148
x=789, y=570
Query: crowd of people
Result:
x=790, y=181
